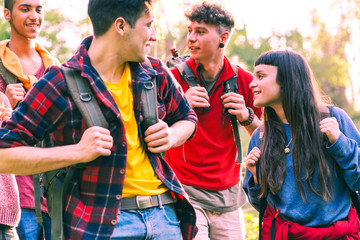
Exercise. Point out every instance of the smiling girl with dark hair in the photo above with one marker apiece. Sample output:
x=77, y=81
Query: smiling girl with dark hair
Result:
x=304, y=165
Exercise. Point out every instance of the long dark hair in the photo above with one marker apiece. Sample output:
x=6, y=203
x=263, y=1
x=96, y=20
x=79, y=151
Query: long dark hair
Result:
x=300, y=101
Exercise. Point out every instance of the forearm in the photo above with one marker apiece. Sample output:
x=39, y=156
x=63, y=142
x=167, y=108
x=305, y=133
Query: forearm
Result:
x=255, y=124
x=180, y=132
x=26, y=160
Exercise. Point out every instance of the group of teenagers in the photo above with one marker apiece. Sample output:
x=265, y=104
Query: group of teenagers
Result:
x=302, y=162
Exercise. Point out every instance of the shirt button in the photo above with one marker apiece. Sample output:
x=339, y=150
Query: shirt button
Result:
x=113, y=222
x=122, y=171
x=118, y=196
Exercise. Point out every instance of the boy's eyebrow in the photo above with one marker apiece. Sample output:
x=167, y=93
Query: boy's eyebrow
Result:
x=202, y=28
x=28, y=5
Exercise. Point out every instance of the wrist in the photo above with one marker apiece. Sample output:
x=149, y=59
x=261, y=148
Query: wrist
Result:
x=250, y=119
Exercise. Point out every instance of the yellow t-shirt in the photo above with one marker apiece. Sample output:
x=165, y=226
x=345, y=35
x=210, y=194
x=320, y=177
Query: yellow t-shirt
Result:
x=140, y=177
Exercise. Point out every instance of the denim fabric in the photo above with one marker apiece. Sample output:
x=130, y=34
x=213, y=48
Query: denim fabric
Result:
x=152, y=223
x=8, y=233
x=28, y=227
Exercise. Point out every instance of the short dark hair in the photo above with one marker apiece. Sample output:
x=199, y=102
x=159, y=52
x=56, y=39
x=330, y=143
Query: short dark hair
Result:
x=211, y=13
x=9, y=4
x=103, y=13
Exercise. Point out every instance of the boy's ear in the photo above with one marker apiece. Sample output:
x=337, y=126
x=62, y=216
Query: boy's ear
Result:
x=7, y=14
x=120, y=25
x=225, y=36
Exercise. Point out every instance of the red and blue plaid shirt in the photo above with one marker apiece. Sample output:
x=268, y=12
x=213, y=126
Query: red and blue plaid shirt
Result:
x=92, y=205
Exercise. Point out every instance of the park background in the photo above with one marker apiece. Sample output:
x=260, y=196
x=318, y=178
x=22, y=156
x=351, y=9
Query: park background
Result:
x=325, y=32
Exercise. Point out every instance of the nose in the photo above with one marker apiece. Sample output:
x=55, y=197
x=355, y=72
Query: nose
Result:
x=191, y=37
x=253, y=83
x=153, y=35
x=34, y=15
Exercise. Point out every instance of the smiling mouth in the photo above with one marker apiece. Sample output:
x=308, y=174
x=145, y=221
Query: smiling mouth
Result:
x=32, y=25
x=193, y=48
x=256, y=92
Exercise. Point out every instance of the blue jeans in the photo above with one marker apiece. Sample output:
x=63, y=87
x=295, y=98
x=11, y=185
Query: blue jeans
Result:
x=28, y=227
x=151, y=223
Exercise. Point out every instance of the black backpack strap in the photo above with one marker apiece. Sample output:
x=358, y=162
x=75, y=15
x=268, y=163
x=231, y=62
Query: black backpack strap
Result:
x=83, y=97
x=37, y=196
x=38, y=190
x=149, y=109
x=7, y=76
x=326, y=111
x=187, y=74
x=231, y=85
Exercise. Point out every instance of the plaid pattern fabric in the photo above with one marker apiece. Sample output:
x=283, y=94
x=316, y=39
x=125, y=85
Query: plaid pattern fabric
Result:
x=92, y=203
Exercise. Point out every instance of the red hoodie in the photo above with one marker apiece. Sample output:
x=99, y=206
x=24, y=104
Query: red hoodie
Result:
x=346, y=229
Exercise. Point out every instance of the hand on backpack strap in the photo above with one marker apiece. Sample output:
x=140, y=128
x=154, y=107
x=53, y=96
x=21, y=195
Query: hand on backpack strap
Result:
x=330, y=127
x=251, y=160
x=235, y=104
x=157, y=137
x=197, y=97
x=15, y=93
x=95, y=142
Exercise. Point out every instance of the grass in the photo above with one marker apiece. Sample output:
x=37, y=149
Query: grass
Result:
x=251, y=216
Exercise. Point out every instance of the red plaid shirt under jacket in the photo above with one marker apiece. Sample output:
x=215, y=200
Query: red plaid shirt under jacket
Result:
x=91, y=206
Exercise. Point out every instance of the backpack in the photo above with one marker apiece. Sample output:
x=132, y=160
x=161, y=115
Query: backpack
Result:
x=7, y=76
x=56, y=181
x=325, y=112
x=179, y=62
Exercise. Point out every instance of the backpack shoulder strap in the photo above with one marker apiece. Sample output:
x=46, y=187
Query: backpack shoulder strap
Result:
x=231, y=85
x=149, y=109
x=83, y=97
x=7, y=76
x=187, y=74
x=326, y=111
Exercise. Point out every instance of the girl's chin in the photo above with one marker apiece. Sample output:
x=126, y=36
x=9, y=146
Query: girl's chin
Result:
x=257, y=103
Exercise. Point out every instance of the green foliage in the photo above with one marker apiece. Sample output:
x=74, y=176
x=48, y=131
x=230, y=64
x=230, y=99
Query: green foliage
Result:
x=239, y=46
x=56, y=31
x=251, y=218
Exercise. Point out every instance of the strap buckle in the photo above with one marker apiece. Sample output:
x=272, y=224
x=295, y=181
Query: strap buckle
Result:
x=144, y=202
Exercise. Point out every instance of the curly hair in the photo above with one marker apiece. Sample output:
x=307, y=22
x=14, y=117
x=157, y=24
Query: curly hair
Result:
x=211, y=13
